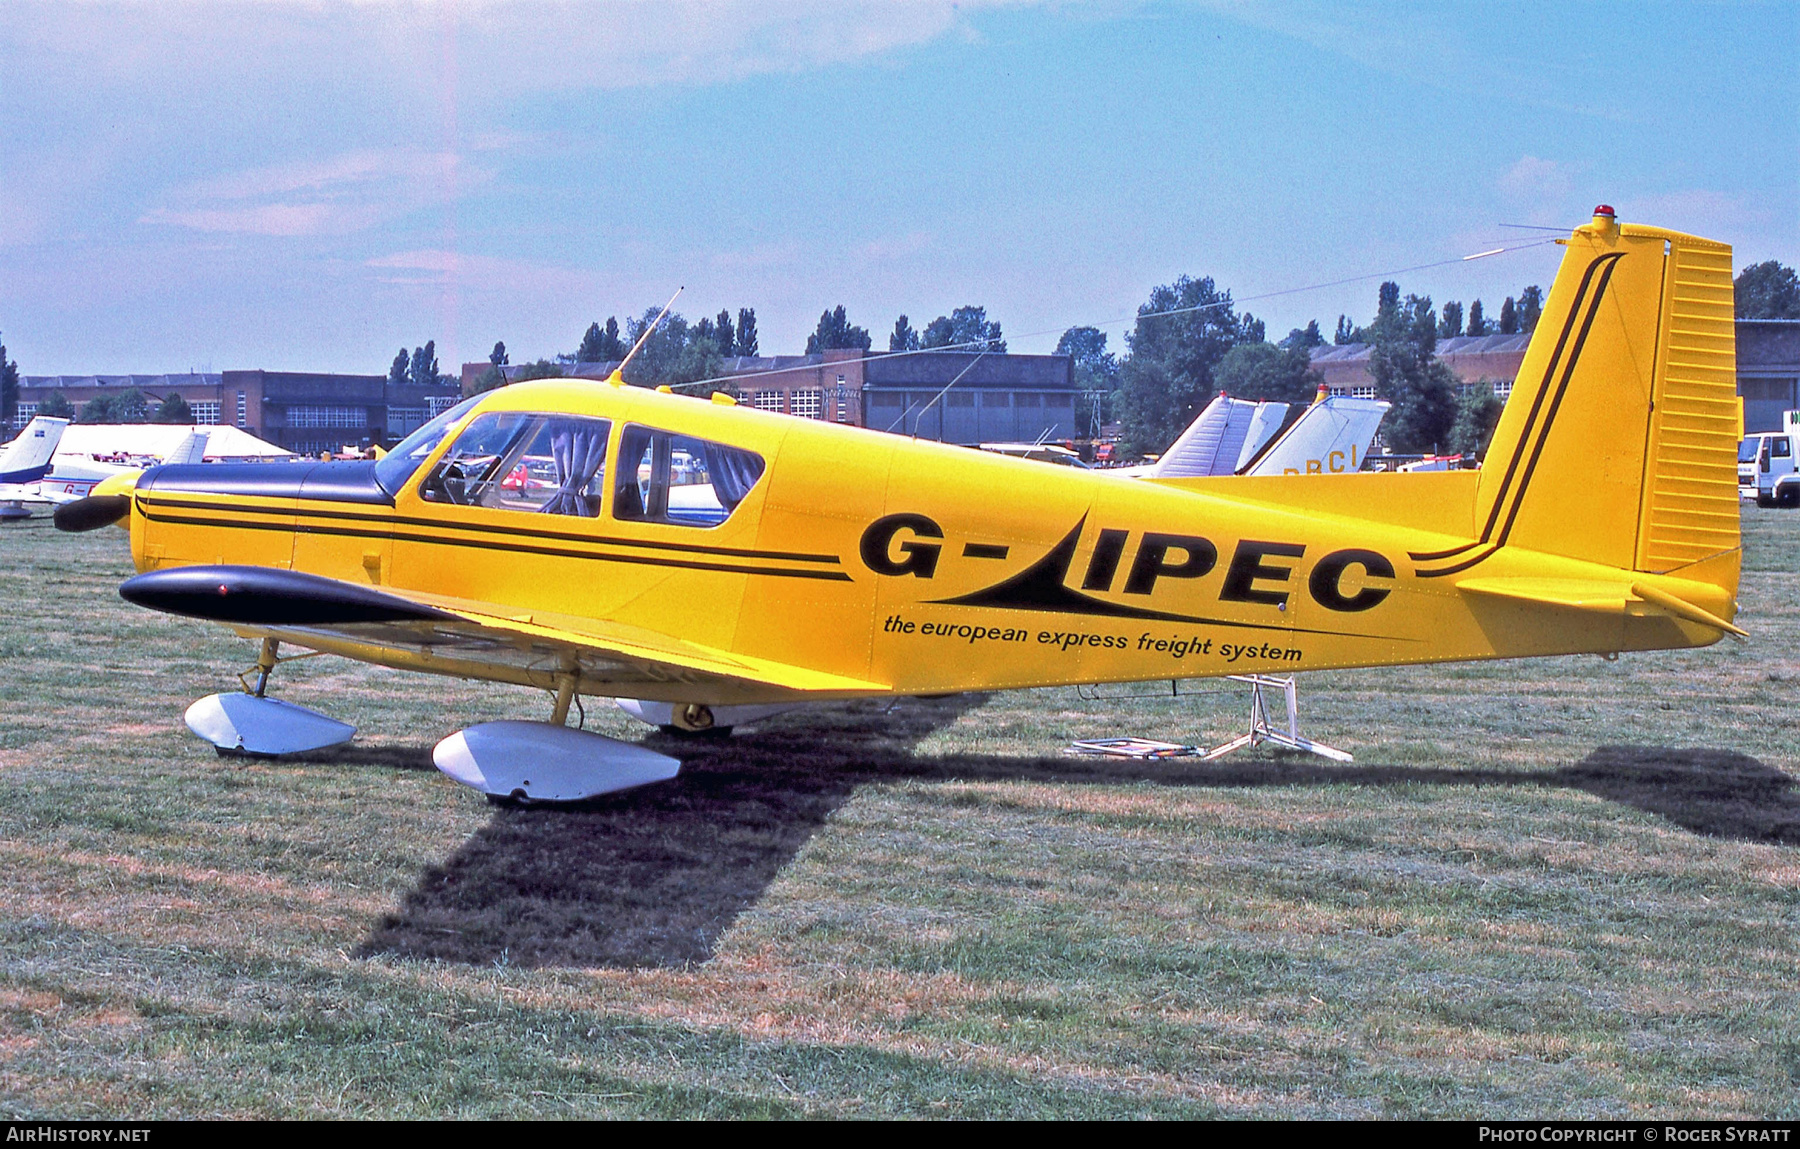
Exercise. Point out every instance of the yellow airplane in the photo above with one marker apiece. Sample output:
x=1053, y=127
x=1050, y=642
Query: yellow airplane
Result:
x=593, y=539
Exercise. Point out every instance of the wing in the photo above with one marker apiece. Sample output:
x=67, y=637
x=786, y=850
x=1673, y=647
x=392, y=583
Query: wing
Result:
x=439, y=635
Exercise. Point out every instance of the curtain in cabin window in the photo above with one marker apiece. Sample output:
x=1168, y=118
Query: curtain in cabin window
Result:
x=579, y=450
x=733, y=472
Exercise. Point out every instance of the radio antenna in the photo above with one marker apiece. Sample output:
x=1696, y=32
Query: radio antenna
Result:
x=618, y=375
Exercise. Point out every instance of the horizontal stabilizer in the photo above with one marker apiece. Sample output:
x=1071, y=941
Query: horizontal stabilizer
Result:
x=1576, y=594
x=1599, y=596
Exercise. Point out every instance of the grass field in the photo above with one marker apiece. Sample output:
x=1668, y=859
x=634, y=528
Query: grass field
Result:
x=1562, y=887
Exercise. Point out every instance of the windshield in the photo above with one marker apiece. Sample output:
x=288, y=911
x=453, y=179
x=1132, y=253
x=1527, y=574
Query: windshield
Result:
x=1748, y=448
x=400, y=463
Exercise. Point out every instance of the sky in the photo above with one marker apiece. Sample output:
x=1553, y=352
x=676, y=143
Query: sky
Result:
x=309, y=187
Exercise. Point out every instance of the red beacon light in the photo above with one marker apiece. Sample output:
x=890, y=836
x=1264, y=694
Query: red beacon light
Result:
x=1606, y=210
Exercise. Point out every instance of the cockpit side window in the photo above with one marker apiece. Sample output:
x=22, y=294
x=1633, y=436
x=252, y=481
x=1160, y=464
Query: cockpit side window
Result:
x=524, y=461
x=400, y=463
x=663, y=477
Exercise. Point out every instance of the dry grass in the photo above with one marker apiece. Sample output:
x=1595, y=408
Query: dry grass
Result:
x=1565, y=887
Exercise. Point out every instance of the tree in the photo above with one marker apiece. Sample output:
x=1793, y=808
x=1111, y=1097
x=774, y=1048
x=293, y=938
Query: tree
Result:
x=398, y=371
x=657, y=361
x=1345, y=333
x=904, y=337
x=727, y=335
x=128, y=406
x=56, y=405
x=173, y=409
x=1168, y=377
x=424, y=369
x=1096, y=368
x=834, y=332
x=1531, y=307
x=9, y=389
x=498, y=355
x=1477, y=413
x=593, y=346
x=1096, y=376
x=1768, y=290
x=1509, y=317
x=965, y=329
x=705, y=330
x=746, y=331
x=542, y=369
x=1265, y=372
x=1450, y=326
x=612, y=347
x=1305, y=338
x=1477, y=325
x=1409, y=374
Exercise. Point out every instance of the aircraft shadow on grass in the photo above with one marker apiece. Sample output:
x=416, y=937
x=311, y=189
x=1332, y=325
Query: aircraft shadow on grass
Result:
x=653, y=877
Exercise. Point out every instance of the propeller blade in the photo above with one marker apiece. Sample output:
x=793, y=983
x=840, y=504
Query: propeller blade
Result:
x=91, y=513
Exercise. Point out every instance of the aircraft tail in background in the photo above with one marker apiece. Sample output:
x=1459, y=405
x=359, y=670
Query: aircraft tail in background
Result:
x=1220, y=440
x=27, y=458
x=1330, y=437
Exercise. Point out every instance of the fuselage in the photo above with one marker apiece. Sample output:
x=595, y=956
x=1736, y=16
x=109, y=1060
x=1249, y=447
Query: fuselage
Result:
x=913, y=565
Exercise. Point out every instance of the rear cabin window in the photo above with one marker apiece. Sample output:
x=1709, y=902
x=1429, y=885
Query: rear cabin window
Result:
x=523, y=461
x=668, y=478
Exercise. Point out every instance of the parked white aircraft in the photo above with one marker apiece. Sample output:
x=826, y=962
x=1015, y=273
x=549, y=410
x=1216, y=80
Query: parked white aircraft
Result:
x=1232, y=437
x=1330, y=437
x=24, y=462
x=73, y=477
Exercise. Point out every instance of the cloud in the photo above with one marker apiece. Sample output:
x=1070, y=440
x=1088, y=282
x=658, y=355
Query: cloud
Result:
x=336, y=195
x=526, y=45
x=897, y=246
x=1715, y=214
x=277, y=219
x=1539, y=190
x=437, y=266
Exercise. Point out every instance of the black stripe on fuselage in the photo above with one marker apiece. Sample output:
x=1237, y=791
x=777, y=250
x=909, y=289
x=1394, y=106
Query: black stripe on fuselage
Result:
x=487, y=528
x=507, y=547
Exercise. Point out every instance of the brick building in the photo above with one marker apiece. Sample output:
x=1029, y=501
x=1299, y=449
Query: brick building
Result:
x=301, y=411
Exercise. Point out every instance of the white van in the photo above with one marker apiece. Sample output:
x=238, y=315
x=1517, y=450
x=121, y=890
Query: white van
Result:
x=1766, y=465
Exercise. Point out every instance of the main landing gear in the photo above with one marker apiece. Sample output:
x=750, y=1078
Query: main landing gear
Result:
x=522, y=763
x=515, y=762
x=696, y=718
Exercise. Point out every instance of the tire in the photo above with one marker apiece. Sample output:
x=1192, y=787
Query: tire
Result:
x=684, y=732
x=1788, y=496
x=1763, y=500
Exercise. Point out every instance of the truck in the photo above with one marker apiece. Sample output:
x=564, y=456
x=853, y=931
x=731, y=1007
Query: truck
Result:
x=1766, y=465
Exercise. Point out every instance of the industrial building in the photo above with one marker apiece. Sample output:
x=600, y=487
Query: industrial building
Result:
x=1768, y=370
x=302, y=412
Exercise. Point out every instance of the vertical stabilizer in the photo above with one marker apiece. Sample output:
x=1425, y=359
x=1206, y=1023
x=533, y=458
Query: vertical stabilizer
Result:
x=1212, y=442
x=1618, y=443
x=27, y=458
